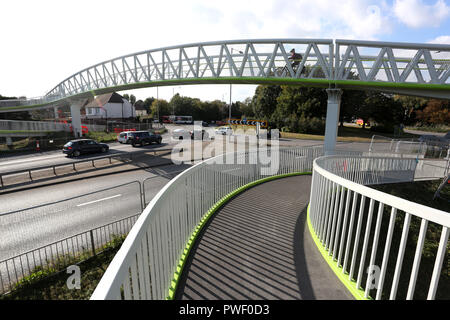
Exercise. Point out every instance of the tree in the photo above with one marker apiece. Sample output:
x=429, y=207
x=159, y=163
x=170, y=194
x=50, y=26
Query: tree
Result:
x=131, y=98
x=148, y=103
x=411, y=105
x=213, y=110
x=19, y=115
x=246, y=108
x=161, y=106
x=435, y=113
x=381, y=108
x=297, y=103
x=265, y=101
x=181, y=105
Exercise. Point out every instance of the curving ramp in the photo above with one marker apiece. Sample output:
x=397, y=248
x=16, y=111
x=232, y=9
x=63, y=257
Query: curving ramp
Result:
x=258, y=247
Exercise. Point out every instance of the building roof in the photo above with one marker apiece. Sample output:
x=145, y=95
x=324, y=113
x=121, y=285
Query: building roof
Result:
x=103, y=99
x=139, y=106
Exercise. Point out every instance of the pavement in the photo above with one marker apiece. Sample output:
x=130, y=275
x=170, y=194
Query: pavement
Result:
x=418, y=132
x=12, y=183
x=258, y=247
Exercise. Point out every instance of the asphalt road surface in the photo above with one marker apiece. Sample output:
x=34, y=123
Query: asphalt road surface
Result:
x=36, y=217
x=33, y=218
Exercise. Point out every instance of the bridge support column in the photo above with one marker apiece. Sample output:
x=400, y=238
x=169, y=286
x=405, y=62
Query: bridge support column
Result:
x=331, y=126
x=76, y=120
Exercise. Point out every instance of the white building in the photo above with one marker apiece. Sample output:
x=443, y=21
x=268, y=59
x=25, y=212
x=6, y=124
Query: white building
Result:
x=140, y=109
x=110, y=106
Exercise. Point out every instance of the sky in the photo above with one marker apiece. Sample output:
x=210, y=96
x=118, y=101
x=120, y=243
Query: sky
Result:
x=43, y=42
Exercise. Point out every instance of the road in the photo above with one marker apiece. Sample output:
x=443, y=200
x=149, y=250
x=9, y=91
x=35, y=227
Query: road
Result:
x=33, y=218
x=36, y=217
x=23, y=162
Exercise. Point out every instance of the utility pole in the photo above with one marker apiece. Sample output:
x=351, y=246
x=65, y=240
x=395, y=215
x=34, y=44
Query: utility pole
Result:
x=157, y=102
x=173, y=105
x=229, y=109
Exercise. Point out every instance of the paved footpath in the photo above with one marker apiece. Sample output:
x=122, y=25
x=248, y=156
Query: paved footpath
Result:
x=258, y=246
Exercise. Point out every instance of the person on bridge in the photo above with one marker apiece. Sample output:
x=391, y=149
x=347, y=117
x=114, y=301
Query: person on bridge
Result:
x=296, y=59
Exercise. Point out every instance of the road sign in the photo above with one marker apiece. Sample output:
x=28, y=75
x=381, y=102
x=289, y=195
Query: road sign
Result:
x=252, y=122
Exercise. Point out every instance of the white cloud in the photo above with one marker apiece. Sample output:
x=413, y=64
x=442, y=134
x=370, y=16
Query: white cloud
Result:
x=441, y=40
x=416, y=14
x=45, y=42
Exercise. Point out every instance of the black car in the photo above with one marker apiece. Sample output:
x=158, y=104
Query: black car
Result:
x=144, y=137
x=74, y=148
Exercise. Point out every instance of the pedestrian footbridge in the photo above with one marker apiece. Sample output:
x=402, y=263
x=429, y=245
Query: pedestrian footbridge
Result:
x=285, y=223
x=258, y=246
x=408, y=68
x=402, y=68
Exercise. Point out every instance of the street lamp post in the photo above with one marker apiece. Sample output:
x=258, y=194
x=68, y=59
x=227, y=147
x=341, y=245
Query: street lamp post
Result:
x=229, y=109
x=157, y=103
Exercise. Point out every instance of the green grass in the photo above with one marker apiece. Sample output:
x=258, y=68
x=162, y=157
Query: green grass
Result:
x=438, y=128
x=347, y=134
x=421, y=192
x=101, y=136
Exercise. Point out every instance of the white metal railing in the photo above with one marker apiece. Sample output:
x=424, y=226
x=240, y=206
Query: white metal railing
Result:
x=145, y=265
x=17, y=125
x=337, y=195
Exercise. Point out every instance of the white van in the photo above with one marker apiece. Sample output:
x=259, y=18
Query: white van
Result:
x=125, y=136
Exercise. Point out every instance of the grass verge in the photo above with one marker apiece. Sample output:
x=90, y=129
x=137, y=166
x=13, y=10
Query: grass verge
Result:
x=51, y=283
x=346, y=134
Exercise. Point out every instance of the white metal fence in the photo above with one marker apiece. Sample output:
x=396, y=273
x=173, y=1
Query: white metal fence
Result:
x=358, y=247
x=147, y=261
x=145, y=265
x=17, y=125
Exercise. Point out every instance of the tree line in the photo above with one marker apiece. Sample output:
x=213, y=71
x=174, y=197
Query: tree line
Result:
x=303, y=109
x=299, y=109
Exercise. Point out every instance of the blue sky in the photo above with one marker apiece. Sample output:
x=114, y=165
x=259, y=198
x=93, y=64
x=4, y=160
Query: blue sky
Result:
x=45, y=41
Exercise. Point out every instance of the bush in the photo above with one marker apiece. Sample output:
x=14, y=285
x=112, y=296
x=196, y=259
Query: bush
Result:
x=311, y=125
x=383, y=128
x=37, y=274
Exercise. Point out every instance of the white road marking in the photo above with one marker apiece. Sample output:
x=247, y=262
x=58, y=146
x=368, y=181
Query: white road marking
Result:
x=90, y=202
x=31, y=159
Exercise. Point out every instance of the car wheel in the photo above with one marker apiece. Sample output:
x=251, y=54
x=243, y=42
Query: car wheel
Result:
x=159, y=141
x=104, y=149
x=76, y=153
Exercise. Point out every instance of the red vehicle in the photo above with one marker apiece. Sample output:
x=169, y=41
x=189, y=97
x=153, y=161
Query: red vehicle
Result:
x=166, y=119
x=119, y=130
